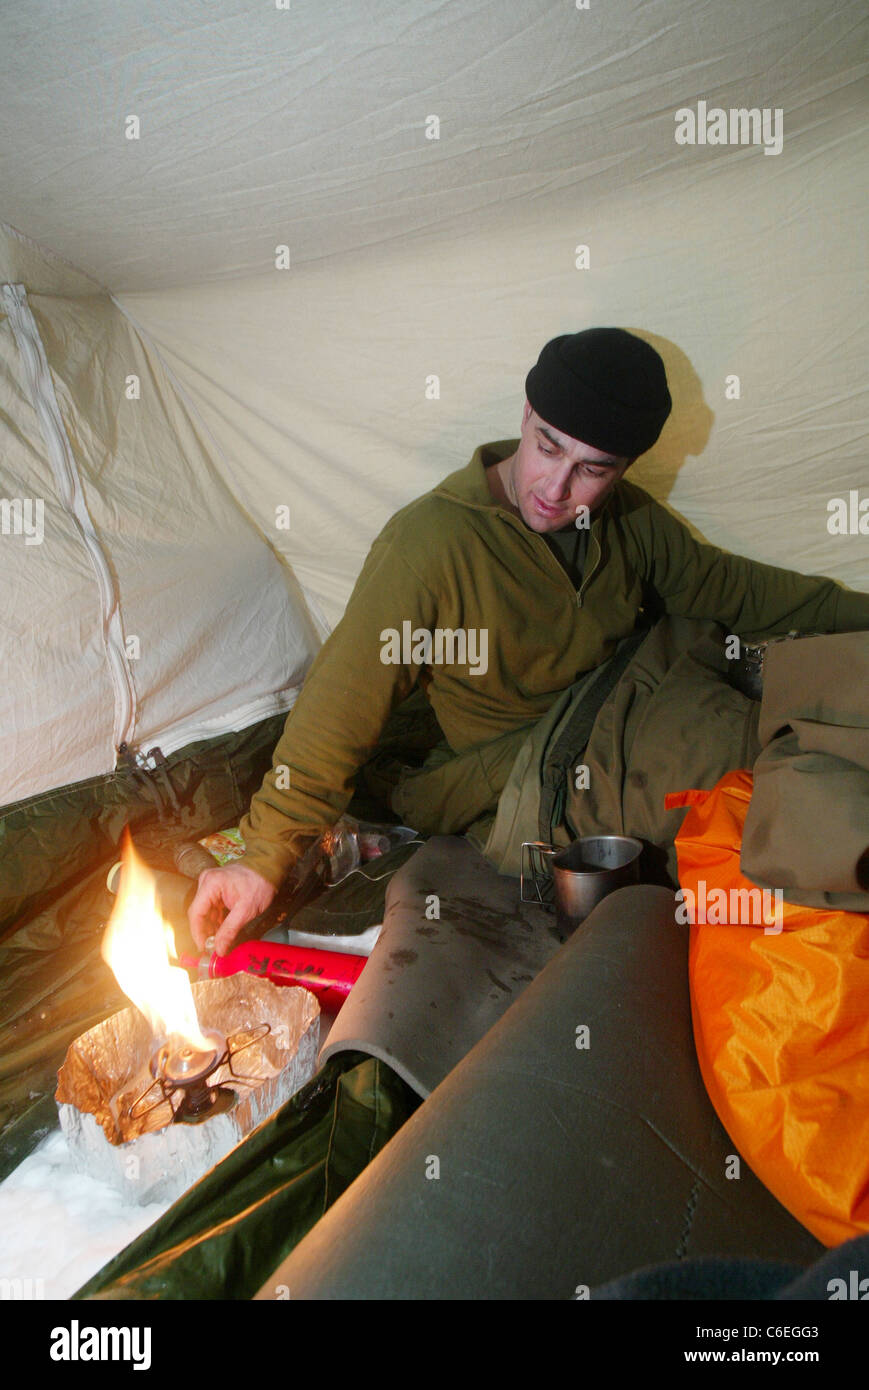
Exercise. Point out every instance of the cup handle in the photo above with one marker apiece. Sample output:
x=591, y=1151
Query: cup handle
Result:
x=533, y=855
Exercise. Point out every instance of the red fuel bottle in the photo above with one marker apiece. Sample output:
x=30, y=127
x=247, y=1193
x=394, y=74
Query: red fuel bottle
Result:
x=330, y=975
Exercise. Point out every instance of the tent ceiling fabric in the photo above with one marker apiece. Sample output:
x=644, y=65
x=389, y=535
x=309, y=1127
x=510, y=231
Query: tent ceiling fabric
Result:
x=307, y=125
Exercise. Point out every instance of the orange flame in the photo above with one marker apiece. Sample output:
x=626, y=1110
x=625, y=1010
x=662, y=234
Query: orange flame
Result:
x=136, y=946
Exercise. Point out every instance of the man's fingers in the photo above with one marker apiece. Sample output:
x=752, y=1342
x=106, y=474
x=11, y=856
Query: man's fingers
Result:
x=234, y=890
x=240, y=915
x=238, y=891
x=204, y=912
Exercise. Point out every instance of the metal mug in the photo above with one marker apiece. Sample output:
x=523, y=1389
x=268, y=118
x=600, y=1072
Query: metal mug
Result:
x=582, y=873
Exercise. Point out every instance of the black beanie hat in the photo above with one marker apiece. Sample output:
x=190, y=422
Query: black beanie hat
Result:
x=605, y=387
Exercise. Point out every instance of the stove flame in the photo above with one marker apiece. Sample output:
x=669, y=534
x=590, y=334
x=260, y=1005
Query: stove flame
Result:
x=137, y=945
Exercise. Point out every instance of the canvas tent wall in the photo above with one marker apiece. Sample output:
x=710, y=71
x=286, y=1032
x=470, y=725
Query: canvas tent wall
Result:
x=431, y=172
x=142, y=606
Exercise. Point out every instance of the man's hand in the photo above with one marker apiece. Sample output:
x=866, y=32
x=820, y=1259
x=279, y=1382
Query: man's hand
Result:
x=226, y=900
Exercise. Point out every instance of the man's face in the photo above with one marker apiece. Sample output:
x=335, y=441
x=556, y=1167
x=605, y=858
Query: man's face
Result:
x=552, y=475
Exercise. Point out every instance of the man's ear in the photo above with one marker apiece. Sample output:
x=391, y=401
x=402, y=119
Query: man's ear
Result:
x=526, y=412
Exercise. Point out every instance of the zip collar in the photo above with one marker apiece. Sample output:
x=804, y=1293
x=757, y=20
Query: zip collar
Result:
x=468, y=485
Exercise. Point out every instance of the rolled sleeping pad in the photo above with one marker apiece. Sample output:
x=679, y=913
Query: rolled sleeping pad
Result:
x=573, y=1144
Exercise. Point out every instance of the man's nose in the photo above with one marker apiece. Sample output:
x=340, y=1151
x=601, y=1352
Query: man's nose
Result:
x=557, y=486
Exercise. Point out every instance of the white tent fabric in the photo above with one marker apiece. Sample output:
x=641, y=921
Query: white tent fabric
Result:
x=141, y=605
x=431, y=170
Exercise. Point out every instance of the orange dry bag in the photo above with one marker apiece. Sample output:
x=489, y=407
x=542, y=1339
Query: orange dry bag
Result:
x=780, y=1003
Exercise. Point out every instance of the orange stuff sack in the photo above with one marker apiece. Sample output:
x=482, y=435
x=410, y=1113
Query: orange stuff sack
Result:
x=781, y=1023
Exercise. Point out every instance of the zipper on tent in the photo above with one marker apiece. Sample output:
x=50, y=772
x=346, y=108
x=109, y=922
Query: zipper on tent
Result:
x=66, y=476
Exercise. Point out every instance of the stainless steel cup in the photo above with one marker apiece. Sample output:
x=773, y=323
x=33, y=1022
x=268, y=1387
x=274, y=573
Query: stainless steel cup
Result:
x=576, y=878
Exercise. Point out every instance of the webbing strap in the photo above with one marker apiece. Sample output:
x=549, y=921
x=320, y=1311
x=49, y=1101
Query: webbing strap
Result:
x=577, y=730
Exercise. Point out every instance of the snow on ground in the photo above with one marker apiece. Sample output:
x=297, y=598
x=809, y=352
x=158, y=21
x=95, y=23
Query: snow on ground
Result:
x=58, y=1227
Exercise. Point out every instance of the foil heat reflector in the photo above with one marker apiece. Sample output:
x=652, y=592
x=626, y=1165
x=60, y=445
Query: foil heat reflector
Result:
x=150, y=1116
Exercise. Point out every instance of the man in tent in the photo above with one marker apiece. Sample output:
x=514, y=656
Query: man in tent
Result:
x=489, y=596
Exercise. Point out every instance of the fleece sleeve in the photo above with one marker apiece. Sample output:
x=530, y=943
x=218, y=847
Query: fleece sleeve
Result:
x=697, y=580
x=335, y=724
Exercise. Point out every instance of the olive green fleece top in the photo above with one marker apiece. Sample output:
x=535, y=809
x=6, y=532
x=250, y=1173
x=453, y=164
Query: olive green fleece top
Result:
x=457, y=559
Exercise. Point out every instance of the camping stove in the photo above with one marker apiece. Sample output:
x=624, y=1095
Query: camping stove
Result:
x=177, y=1067
x=150, y=1115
